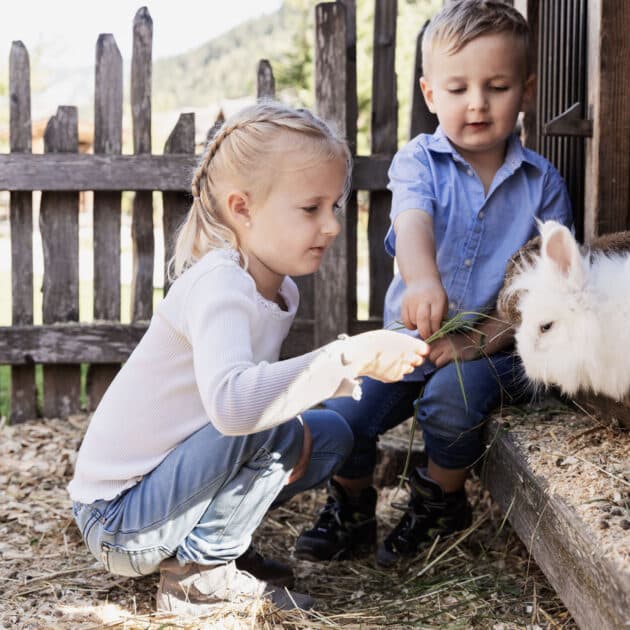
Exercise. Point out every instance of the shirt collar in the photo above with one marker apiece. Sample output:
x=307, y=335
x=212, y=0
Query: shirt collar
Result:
x=514, y=156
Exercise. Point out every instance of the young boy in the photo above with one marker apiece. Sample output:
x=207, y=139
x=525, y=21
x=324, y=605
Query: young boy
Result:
x=464, y=199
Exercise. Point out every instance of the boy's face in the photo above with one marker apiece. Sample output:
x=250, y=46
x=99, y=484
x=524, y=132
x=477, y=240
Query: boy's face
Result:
x=477, y=92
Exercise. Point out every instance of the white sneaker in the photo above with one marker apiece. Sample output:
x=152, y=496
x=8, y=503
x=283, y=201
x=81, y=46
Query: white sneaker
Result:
x=195, y=589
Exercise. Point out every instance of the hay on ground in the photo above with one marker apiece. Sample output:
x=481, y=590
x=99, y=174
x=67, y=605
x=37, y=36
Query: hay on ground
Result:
x=481, y=578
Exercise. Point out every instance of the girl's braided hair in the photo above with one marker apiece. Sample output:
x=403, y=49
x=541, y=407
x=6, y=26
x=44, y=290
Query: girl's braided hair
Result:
x=242, y=153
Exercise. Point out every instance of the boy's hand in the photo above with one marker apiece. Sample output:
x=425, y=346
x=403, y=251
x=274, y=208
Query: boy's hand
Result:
x=385, y=355
x=458, y=346
x=424, y=306
x=305, y=456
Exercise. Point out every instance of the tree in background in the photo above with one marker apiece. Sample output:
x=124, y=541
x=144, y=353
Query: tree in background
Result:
x=293, y=69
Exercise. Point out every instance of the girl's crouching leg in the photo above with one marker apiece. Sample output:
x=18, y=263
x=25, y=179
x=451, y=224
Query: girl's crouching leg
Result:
x=223, y=531
x=201, y=503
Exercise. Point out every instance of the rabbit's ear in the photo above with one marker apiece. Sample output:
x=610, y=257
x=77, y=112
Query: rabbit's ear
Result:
x=561, y=250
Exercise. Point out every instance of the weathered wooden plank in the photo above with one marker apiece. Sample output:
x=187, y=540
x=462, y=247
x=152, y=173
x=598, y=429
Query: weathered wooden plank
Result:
x=530, y=10
x=85, y=171
x=265, y=82
x=331, y=281
x=176, y=204
x=59, y=226
x=23, y=390
x=422, y=120
x=300, y=338
x=142, y=218
x=107, y=342
x=595, y=591
x=606, y=410
x=141, y=80
x=384, y=140
x=607, y=185
x=106, y=220
x=352, y=112
x=100, y=342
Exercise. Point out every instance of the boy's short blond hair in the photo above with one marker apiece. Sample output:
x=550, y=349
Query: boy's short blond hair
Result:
x=461, y=21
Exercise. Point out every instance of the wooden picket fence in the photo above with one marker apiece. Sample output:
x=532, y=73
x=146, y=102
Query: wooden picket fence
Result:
x=61, y=343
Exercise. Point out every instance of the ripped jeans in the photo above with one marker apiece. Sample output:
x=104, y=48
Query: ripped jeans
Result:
x=203, y=502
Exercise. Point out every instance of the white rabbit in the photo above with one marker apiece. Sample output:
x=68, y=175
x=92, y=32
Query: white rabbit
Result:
x=574, y=307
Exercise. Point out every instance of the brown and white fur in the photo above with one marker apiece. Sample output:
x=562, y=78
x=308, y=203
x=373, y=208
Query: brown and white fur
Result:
x=570, y=306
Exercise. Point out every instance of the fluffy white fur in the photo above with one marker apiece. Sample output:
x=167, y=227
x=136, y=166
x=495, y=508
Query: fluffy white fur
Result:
x=575, y=328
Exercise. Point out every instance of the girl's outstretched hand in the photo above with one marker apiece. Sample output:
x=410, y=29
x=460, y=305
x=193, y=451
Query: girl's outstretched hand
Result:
x=385, y=355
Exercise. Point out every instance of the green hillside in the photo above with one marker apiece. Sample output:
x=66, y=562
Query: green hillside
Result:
x=225, y=67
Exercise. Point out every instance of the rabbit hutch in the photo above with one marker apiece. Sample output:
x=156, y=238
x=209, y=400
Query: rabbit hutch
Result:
x=580, y=122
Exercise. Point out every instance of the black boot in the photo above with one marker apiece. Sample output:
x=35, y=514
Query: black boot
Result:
x=430, y=512
x=346, y=527
x=265, y=569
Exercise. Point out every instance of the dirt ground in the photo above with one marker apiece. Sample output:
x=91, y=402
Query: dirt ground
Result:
x=481, y=578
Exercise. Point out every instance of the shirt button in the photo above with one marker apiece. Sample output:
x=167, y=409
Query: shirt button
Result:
x=469, y=172
x=481, y=214
x=452, y=306
x=468, y=262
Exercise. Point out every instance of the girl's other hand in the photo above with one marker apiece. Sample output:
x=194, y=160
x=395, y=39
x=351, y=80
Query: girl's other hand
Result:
x=385, y=355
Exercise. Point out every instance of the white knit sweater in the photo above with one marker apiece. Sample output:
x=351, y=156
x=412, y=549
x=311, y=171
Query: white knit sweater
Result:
x=210, y=354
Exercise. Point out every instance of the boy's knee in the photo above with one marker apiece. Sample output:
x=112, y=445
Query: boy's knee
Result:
x=343, y=439
x=330, y=432
x=287, y=440
x=450, y=447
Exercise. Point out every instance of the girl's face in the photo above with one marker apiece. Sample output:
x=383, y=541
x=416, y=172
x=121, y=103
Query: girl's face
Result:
x=289, y=232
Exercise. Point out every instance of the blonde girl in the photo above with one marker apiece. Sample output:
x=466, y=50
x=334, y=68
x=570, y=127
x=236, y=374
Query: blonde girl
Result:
x=204, y=429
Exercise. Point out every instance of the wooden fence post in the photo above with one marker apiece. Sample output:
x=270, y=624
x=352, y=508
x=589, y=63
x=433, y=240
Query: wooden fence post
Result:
x=142, y=221
x=422, y=120
x=351, y=211
x=108, y=98
x=59, y=226
x=384, y=141
x=23, y=391
x=265, y=83
x=607, y=183
x=331, y=281
x=176, y=204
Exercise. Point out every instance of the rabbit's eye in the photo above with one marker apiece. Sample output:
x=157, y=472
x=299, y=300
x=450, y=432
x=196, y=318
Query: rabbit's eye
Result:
x=545, y=327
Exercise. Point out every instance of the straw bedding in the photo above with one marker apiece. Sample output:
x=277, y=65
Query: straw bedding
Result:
x=482, y=578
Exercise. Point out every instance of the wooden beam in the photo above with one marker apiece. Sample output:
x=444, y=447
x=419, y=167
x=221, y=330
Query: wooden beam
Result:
x=607, y=184
x=23, y=389
x=142, y=237
x=593, y=588
x=331, y=281
x=69, y=343
x=384, y=135
x=108, y=108
x=59, y=228
x=113, y=342
x=82, y=171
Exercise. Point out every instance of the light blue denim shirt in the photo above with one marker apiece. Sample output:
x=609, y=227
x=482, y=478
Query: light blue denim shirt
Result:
x=475, y=233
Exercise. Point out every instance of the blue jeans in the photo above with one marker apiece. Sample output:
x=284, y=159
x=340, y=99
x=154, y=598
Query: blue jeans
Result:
x=451, y=424
x=205, y=499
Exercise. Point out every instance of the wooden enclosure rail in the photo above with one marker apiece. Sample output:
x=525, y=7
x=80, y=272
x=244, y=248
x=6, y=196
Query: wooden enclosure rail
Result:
x=81, y=171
